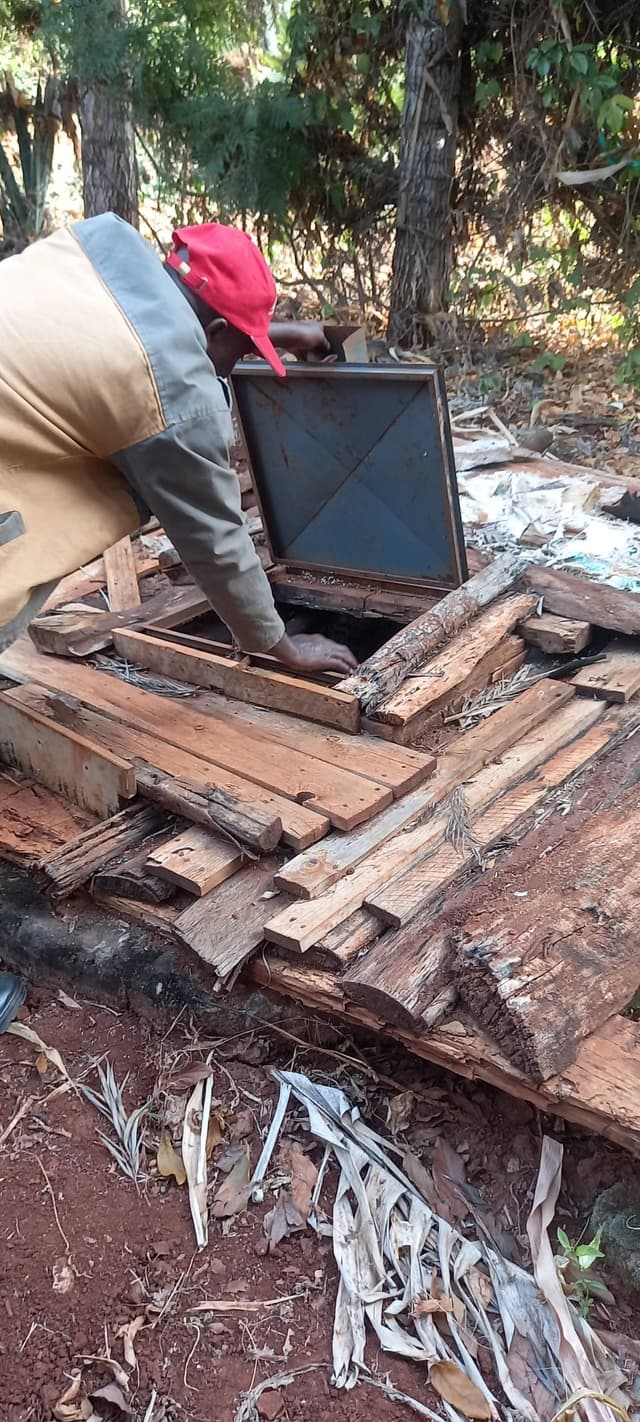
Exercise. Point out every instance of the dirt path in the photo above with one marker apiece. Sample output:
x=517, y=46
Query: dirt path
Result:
x=83, y=1254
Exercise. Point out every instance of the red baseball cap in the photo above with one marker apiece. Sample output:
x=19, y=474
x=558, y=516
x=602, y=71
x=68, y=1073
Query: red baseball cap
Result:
x=228, y=271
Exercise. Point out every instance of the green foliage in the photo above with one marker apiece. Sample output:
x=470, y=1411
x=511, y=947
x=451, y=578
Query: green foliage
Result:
x=577, y=1260
x=35, y=125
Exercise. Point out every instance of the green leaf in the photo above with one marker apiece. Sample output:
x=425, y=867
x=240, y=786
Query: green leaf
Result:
x=564, y=1241
x=579, y=61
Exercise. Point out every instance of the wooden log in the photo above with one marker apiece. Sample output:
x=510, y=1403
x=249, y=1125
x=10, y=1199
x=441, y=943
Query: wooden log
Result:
x=436, y=680
x=196, y=860
x=132, y=880
x=571, y=595
x=161, y=917
x=398, y=979
x=346, y=799
x=64, y=761
x=301, y=925
x=556, y=635
x=77, y=861
x=617, y=678
x=225, y=926
x=314, y=871
x=270, y=689
x=383, y=673
x=544, y=971
x=178, y=782
x=410, y=893
x=120, y=571
x=68, y=635
x=349, y=939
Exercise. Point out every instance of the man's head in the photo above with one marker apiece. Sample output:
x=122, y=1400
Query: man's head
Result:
x=231, y=289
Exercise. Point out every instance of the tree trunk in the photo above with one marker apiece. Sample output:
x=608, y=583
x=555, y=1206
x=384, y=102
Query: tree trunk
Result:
x=105, y=110
x=423, y=253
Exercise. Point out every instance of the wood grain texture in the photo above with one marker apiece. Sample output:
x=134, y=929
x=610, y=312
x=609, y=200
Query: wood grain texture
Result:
x=346, y=799
x=302, y=924
x=196, y=860
x=120, y=573
x=72, y=865
x=35, y=822
x=257, y=685
x=556, y=635
x=497, y=665
x=201, y=792
x=436, y=680
x=350, y=938
x=378, y=678
x=92, y=578
x=616, y=679
x=226, y=926
x=64, y=761
x=70, y=635
x=571, y=595
x=314, y=871
x=131, y=879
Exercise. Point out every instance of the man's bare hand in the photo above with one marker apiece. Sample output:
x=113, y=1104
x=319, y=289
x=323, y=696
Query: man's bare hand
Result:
x=301, y=339
x=314, y=654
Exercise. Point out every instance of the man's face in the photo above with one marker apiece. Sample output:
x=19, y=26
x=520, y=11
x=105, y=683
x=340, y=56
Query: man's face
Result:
x=226, y=345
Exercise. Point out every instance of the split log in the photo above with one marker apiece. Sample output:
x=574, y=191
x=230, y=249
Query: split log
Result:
x=81, y=858
x=382, y=674
x=226, y=926
x=131, y=880
x=617, y=678
x=571, y=595
x=72, y=634
x=556, y=635
x=545, y=970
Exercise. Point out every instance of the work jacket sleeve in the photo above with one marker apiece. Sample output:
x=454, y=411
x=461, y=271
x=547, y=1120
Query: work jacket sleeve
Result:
x=183, y=476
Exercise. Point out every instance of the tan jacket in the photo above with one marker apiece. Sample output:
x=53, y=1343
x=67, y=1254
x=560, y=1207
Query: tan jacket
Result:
x=110, y=409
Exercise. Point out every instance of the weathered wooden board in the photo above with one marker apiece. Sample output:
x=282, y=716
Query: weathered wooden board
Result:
x=223, y=799
x=314, y=871
x=346, y=799
x=545, y=970
x=436, y=680
x=556, y=635
x=300, y=925
x=261, y=687
x=121, y=576
x=65, y=634
x=196, y=860
x=571, y=595
x=64, y=761
x=225, y=926
x=34, y=822
x=615, y=679
x=71, y=866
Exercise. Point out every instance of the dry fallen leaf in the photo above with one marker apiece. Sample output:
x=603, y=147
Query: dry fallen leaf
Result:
x=63, y=1277
x=233, y=1195
x=448, y=1175
x=214, y=1134
x=128, y=1333
x=400, y=1112
x=191, y=1157
x=453, y=1385
x=241, y=1126
x=41, y=1064
x=189, y=1076
x=424, y=1306
x=421, y=1178
x=304, y=1176
x=169, y=1162
x=19, y=1029
x=114, y=1396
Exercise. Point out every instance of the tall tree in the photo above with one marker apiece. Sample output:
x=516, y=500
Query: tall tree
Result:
x=105, y=111
x=423, y=246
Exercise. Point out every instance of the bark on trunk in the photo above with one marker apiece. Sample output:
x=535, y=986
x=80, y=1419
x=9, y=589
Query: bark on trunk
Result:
x=424, y=241
x=109, y=168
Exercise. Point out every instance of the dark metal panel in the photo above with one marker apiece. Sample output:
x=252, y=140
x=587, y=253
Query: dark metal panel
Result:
x=353, y=469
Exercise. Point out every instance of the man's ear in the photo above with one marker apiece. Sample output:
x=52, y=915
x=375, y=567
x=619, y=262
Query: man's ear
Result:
x=215, y=327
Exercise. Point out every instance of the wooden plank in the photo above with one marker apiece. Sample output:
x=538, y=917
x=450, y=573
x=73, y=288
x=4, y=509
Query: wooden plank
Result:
x=301, y=925
x=571, y=595
x=556, y=634
x=311, y=873
x=544, y=971
x=344, y=943
x=378, y=678
x=437, y=679
x=196, y=860
x=64, y=761
x=617, y=678
x=496, y=666
x=202, y=792
x=71, y=866
x=67, y=634
x=92, y=578
x=346, y=799
x=226, y=926
x=160, y=917
x=120, y=572
x=270, y=689
x=397, y=904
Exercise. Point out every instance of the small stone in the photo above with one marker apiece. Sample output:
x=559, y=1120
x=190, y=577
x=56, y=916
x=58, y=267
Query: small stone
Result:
x=270, y=1405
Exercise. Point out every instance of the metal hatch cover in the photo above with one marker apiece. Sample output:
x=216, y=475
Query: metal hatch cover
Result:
x=353, y=470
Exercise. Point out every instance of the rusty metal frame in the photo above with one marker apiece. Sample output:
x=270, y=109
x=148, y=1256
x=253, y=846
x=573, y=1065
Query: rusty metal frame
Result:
x=398, y=373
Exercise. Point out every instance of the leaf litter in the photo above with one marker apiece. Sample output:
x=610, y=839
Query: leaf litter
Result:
x=496, y=1340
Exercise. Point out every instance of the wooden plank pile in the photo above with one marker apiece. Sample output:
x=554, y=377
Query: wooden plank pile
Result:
x=257, y=824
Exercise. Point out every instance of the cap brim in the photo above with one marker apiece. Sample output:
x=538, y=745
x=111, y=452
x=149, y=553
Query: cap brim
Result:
x=266, y=349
